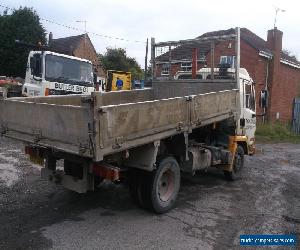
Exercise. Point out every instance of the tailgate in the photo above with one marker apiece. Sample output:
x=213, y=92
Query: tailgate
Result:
x=62, y=127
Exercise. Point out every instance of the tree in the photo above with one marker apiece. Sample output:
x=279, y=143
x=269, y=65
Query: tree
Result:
x=22, y=24
x=290, y=54
x=117, y=59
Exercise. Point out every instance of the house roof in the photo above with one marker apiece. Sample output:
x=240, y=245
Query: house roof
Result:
x=66, y=45
x=246, y=35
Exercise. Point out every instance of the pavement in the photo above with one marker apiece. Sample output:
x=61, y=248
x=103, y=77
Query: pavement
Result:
x=211, y=213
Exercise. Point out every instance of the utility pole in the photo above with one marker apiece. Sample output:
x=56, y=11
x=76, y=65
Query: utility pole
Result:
x=146, y=61
x=85, y=33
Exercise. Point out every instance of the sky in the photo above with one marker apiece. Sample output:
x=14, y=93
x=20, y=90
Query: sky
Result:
x=137, y=20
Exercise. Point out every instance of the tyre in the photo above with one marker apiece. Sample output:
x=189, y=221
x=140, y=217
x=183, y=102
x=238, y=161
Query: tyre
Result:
x=238, y=165
x=165, y=185
x=134, y=179
x=160, y=188
x=97, y=181
x=157, y=190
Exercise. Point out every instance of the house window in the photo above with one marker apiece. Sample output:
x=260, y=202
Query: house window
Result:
x=165, y=69
x=187, y=67
x=228, y=60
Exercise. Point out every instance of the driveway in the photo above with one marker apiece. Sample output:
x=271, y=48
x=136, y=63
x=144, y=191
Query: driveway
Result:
x=210, y=213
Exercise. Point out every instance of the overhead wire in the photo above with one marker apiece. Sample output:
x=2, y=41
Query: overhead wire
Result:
x=77, y=29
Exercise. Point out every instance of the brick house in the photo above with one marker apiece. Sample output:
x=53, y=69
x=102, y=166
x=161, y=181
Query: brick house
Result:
x=79, y=46
x=267, y=64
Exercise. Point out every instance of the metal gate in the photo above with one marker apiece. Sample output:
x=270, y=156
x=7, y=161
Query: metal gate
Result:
x=296, y=116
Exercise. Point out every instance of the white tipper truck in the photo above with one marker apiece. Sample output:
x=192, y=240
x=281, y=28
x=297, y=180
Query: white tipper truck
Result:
x=148, y=137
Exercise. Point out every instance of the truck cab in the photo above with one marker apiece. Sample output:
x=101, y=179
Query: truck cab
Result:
x=247, y=124
x=50, y=73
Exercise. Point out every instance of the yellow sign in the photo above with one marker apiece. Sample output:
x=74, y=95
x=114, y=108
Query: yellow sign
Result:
x=124, y=76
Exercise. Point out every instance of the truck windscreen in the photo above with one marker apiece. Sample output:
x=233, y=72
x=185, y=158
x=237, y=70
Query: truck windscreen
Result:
x=68, y=70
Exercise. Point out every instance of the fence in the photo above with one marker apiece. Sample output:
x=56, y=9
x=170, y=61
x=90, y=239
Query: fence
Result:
x=296, y=116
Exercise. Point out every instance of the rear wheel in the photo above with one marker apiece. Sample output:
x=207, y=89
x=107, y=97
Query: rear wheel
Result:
x=157, y=190
x=135, y=185
x=238, y=165
x=165, y=185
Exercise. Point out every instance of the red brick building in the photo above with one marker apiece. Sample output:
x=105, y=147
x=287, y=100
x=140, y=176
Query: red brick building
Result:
x=79, y=46
x=267, y=64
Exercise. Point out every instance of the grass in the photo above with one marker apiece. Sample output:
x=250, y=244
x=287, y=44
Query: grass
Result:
x=276, y=132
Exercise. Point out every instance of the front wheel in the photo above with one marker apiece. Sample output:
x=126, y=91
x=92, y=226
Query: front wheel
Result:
x=238, y=165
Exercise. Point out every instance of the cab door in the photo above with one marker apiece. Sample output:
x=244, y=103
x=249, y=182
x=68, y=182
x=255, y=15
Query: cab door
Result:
x=33, y=85
x=248, y=111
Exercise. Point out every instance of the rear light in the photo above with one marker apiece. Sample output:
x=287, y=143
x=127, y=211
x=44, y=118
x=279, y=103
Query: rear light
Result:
x=34, y=151
x=35, y=155
x=107, y=172
x=31, y=151
x=47, y=92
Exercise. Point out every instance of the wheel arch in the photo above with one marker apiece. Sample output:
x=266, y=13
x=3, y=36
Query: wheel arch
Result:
x=244, y=145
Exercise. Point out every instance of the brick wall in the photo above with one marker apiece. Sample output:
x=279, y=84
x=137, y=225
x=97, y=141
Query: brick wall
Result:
x=86, y=50
x=250, y=60
x=283, y=80
x=283, y=92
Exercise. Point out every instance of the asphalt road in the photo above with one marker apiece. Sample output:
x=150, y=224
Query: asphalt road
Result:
x=210, y=213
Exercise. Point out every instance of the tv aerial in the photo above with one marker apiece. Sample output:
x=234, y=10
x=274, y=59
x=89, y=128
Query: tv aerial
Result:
x=277, y=9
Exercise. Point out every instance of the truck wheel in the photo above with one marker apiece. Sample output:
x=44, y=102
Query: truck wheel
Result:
x=238, y=165
x=97, y=181
x=134, y=179
x=160, y=188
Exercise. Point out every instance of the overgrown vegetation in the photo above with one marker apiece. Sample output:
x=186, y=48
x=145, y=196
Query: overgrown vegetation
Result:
x=20, y=24
x=117, y=59
x=289, y=53
x=276, y=132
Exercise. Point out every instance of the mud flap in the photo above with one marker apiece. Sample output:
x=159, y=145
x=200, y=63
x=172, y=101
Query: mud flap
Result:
x=69, y=182
x=232, y=147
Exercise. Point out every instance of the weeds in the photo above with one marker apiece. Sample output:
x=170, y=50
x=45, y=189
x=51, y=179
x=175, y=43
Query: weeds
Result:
x=276, y=132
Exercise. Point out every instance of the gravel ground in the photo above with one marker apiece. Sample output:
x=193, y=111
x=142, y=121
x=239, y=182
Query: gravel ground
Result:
x=210, y=213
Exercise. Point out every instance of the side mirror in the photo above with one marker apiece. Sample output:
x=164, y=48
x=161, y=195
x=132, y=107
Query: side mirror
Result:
x=263, y=102
x=242, y=122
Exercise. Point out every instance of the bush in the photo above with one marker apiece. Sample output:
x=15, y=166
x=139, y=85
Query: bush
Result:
x=276, y=132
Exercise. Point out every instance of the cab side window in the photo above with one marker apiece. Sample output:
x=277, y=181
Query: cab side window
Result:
x=250, y=97
x=36, y=65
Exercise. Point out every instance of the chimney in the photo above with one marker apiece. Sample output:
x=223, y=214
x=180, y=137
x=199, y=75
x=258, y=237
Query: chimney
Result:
x=50, y=38
x=274, y=42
